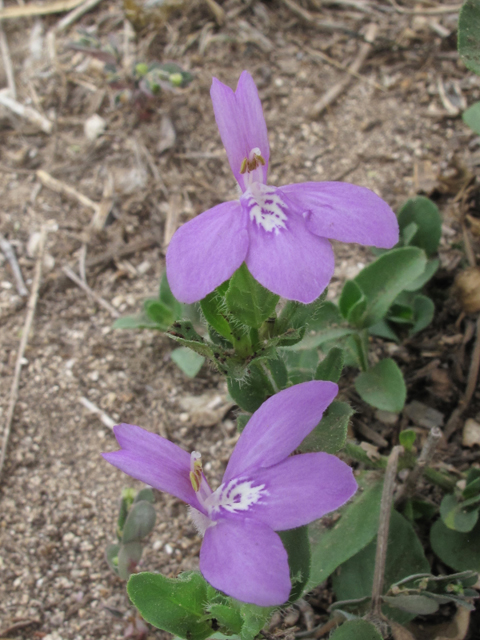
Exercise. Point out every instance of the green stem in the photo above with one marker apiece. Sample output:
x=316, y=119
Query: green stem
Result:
x=446, y=481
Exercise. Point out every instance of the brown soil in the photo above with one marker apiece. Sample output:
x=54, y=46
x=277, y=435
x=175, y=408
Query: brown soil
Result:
x=58, y=497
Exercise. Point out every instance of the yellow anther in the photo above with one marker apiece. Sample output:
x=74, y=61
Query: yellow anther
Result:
x=196, y=471
x=252, y=162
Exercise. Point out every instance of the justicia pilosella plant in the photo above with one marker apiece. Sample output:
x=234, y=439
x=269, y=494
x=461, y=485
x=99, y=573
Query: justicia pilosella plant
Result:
x=281, y=233
x=263, y=490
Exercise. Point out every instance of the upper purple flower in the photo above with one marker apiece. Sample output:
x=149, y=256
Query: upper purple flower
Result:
x=281, y=233
x=263, y=490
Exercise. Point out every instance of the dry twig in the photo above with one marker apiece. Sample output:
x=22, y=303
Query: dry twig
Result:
x=311, y=20
x=28, y=10
x=9, y=253
x=74, y=15
x=104, y=417
x=30, y=114
x=32, y=303
x=83, y=285
x=217, y=11
x=64, y=189
x=322, y=56
x=432, y=11
x=334, y=92
x=383, y=528
x=7, y=60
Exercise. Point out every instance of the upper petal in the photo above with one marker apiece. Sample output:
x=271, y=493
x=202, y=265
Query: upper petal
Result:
x=247, y=561
x=206, y=251
x=284, y=256
x=240, y=122
x=301, y=489
x=279, y=426
x=154, y=460
x=345, y=212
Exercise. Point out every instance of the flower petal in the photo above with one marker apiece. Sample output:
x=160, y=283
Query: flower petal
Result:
x=283, y=255
x=153, y=460
x=206, y=251
x=247, y=561
x=279, y=426
x=301, y=489
x=345, y=212
x=240, y=122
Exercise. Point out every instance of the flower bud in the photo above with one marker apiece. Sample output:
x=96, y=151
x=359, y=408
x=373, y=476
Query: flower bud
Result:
x=467, y=289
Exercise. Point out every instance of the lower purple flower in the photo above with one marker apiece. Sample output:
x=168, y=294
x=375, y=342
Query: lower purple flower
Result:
x=263, y=490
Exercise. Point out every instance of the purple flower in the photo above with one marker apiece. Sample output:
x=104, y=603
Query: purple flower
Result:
x=281, y=233
x=263, y=490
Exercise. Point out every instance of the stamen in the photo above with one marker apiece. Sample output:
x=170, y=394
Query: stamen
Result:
x=196, y=470
x=254, y=160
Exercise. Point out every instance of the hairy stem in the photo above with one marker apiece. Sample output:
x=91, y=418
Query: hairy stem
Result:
x=383, y=529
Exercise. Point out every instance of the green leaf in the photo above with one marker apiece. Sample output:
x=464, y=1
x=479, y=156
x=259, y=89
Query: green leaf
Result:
x=242, y=420
x=254, y=619
x=408, y=233
x=330, y=368
x=471, y=117
x=357, y=526
x=172, y=604
x=189, y=361
x=383, y=386
x=168, y=299
x=407, y=438
x=356, y=630
x=297, y=544
x=424, y=310
x=227, y=616
x=140, y=521
x=136, y=322
x=145, y=494
x=350, y=296
x=295, y=314
x=330, y=433
x=455, y=516
x=247, y=300
x=111, y=555
x=417, y=605
x=300, y=364
x=405, y=556
x=383, y=330
x=382, y=281
x=325, y=326
x=184, y=333
x=425, y=214
x=469, y=35
x=158, y=313
x=252, y=391
x=430, y=270
x=213, y=307
x=128, y=557
x=461, y=551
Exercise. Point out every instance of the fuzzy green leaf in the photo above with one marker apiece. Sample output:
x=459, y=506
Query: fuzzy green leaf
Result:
x=188, y=361
x=297, y=544
x=330, y=368
x=247, y=300
x=425, y=214
x=175, y=605
x=469, y=35
x=356, y=630
x=383, y=386
x=330, y=433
